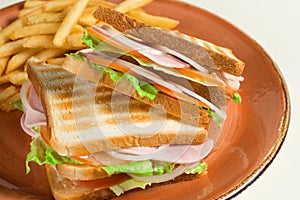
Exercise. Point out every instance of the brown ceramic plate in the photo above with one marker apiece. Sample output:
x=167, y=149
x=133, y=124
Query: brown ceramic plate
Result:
x=252, y=135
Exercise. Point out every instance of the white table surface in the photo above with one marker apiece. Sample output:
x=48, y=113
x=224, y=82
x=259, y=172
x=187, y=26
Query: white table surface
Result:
x=275, y=25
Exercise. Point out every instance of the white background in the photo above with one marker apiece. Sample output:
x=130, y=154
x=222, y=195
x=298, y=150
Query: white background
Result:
x=275, y=24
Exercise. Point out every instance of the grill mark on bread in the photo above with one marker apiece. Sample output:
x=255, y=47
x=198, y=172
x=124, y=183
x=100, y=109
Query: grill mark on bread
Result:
x=82, y=121
x=223, y=57
x=63, y=134
x=133, y=118
x=102, y=106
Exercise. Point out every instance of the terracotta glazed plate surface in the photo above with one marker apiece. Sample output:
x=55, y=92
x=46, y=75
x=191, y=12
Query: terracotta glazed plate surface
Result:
x=252, y=135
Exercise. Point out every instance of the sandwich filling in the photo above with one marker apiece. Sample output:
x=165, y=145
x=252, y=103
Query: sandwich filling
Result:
x=152, y=69
x=130, y=168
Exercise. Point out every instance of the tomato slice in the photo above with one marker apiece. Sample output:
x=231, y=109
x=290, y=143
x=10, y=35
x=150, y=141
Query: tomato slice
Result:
x=44, y=134
x=82, y=160
x=179, y=96
x=103, y=182
x=107, y=63
x=191, y=72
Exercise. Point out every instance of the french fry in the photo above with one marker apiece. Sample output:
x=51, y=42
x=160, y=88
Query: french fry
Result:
x=102, y=2
x=30, y=11
x=5, y=33
x=56, y=61
x=41, y=29
x=12, y=48
x=46, y=42
x=44, y=18
x=17, y=77
x=7, y=93
x=49, y=6
x=128, y=5
x=49, y=53
x=3, y=64
x=7, y=106
x=139, y=14
x=74, y=40
x=20, y=59
x=56, y=6
x=36, y=29
x=152, y=20
x=4, y=79
x=69, y=21
x=39, y=41
x=77, y=29
x=87, y=18
x=32, y=4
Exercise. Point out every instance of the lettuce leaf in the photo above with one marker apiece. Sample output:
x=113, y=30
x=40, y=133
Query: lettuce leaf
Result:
x=237, y=98
x=76, y=55
x=198, y=169
x=141, y=168
x=215, y=117
x=90, y=40
x=160, y=167
x=114, y=75
x=37, y=129
x=132, y=183
x=142, y=88
x=128, y=185
x=41, y=153
x=17, y=105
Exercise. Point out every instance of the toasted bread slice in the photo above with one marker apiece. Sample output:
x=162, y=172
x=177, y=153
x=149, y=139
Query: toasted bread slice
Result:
x=85, y=118
x=186, y=111
x=202, y=52
x=64, y=188
x=81, y=172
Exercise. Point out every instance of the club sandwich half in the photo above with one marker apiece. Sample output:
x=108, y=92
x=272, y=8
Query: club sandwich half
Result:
x=98, y=143
x=186, y=77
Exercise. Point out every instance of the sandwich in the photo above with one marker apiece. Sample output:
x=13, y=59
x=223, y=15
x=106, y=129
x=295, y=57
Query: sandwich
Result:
x=184, y=76
x=95, y=144
x=131, y=111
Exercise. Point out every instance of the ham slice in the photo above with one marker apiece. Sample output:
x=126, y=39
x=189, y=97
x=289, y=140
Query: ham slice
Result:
x=181, y=154
x=155, y=55
x=33, y=115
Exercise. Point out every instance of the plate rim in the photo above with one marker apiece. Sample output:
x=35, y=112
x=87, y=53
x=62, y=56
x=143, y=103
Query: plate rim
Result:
x=283, y=130
x=283, y=127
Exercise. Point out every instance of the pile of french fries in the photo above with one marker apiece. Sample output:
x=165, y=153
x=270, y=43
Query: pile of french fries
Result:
x=47, y=30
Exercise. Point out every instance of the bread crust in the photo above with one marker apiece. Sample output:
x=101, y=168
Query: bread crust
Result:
x=81, y=172
x=63, y=188
x=157, y=36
